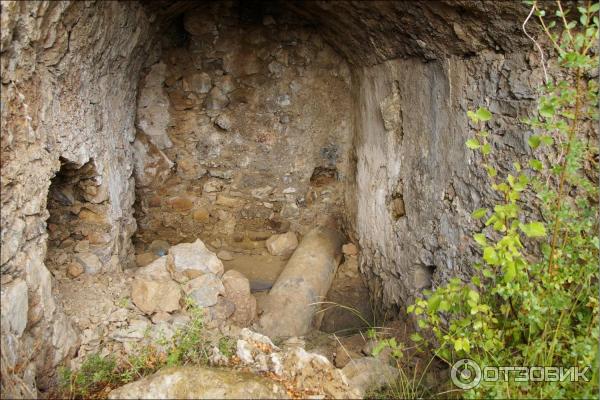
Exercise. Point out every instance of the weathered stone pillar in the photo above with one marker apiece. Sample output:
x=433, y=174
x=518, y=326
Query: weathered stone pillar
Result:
x=289, y=309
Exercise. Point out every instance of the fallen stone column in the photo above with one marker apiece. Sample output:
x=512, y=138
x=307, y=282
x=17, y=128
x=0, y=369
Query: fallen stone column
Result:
x=289, y=308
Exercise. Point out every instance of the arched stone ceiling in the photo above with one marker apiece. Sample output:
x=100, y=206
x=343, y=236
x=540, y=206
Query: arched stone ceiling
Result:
x=369, y=32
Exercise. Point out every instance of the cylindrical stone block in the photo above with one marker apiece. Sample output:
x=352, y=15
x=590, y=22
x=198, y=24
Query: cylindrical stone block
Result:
x=290, y=306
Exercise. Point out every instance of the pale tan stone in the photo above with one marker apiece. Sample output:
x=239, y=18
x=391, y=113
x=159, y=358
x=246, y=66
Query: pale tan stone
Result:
x=282, y=245
x=74, y=269
x=152, y=296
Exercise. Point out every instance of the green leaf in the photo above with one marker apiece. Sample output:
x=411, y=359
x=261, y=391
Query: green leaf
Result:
x=415, y=337
x=379, y=348
x=433, y=303
x=534, y=141
x=472, y=116
x=490, y=256
x=472, y=144
x=473, y=295
x=594, y=8
x=462, y=344
x=483, y=114
x=533, y=229
x=486, y=149
x=547, y=140
x=491, y=171
x=444, y=305
x=535, y=164
x=480, y=239
x=479, y=213
x=458, y=344
x=547, y=110
x=510, y=271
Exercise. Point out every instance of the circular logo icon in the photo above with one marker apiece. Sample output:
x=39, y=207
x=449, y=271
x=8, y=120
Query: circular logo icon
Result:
x=465, y=374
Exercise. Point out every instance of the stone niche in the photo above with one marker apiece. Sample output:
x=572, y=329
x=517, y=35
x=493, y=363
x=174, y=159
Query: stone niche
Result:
x=244, y=126
x=79, y=229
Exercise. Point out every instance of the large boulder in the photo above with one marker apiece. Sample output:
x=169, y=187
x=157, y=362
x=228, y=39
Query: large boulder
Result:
x=196, y=257
x=237, y=290
x=153, y=296
x=311, y=373
x=195, y=382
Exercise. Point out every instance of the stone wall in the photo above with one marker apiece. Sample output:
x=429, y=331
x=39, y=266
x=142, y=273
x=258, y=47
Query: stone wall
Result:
x=416, y=182
x=244, y=130
x=69, y=80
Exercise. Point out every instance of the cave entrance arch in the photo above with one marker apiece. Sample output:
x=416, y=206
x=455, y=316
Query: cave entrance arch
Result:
x=78, y=225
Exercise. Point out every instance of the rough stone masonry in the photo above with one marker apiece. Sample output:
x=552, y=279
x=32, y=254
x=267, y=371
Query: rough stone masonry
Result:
x=222, y=118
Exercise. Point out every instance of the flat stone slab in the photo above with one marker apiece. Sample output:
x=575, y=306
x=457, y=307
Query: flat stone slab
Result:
x=195, y=382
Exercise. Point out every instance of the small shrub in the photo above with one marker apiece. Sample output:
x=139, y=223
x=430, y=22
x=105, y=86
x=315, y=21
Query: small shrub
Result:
x=533, y=300
x=227, y=346
x=188, y=345
x=95, y=373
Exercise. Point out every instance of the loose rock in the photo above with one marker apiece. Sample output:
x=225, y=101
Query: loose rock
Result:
x=205, y=290
x=152, y=296
x=75, y=269
x=221, y=311
x=90, y=262
x=225, y=255
x=155, y=271
x=237, y=289
x=194, y=256
x=223, y=121
x=369, y=373
x=216, y=99
x=282, y=245
x=144, y=259
x=133, y=333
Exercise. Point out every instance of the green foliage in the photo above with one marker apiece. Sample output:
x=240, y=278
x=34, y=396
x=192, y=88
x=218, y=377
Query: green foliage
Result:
x=95, y=373
x=145, y=361
x=227, y=346
x=533, y=298
x=124, y=302
x=188, y=345
x=390, y=343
